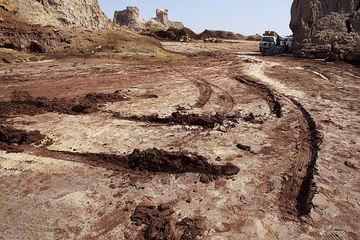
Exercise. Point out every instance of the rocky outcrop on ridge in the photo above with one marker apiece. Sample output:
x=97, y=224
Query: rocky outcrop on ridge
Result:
x=40, y=26
x=327, y=29
x=130, y=18
x=64, y=28
x=79, y=13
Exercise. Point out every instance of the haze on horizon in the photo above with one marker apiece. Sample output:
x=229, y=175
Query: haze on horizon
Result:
x=245, y=17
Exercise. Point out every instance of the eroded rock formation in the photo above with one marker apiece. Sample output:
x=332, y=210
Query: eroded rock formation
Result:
x=162, y=16
x=84, y=13
x=326, y=29
x=59, y=28
x=130, y=18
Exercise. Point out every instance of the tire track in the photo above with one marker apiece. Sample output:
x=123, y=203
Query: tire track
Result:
x=298, y=187
x=269, y=95
x=205, y=92
x=307, y=188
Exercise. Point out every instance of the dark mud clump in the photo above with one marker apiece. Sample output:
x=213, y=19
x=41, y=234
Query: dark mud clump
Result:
x=243, y=147
x=191, y=228
x=192, y=119
x=268, y=94
x=11, y=137
x=196, y=120
x=156, y=160
x=157, y=220
x=100, y=98
x=250, y=118
x=23, y=103
x=350, y=165
x=149, y=96
x=160, y=224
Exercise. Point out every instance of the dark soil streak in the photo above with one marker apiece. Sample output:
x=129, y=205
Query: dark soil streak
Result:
x=179, y=118
x=299, y=190
x=205, y=93
x=23, y=103
x=307, y=188
x=270, y=97
x=152, y=160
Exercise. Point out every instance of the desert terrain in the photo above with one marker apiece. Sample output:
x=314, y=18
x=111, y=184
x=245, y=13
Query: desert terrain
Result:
x=213, y=141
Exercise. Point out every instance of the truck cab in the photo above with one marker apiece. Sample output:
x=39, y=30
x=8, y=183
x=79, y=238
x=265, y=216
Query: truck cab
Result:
x=271, y=43
x=267, y=42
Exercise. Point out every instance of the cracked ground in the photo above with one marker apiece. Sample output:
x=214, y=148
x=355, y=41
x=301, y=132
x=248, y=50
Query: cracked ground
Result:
x=224, y=144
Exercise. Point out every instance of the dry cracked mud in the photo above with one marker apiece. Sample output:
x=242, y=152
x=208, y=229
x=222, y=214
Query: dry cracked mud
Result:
x=224, y=144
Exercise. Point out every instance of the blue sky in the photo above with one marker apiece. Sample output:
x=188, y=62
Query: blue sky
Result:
x=242, y=16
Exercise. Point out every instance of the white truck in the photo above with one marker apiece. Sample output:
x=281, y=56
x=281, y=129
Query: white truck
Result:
x=271, y=43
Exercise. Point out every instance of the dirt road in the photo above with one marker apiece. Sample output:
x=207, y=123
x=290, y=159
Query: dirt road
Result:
x=225, y=144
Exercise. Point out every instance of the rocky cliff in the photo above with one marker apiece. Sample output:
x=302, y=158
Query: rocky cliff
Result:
x=81, y=13
x=130, y=18
x=326, y=29
x=40, y=26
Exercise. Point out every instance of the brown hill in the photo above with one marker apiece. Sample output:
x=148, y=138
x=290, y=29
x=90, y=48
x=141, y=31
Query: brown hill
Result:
x=221, y=34
x=173, y=34
x=255, y=37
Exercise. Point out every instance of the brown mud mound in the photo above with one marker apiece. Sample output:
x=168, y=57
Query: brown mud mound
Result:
x=178, y=118
x=160, y=225
x=156, y=160
x=173, y=34
x=243, y=147
x=23, y=103
x=11, y=137
x=221, y=34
